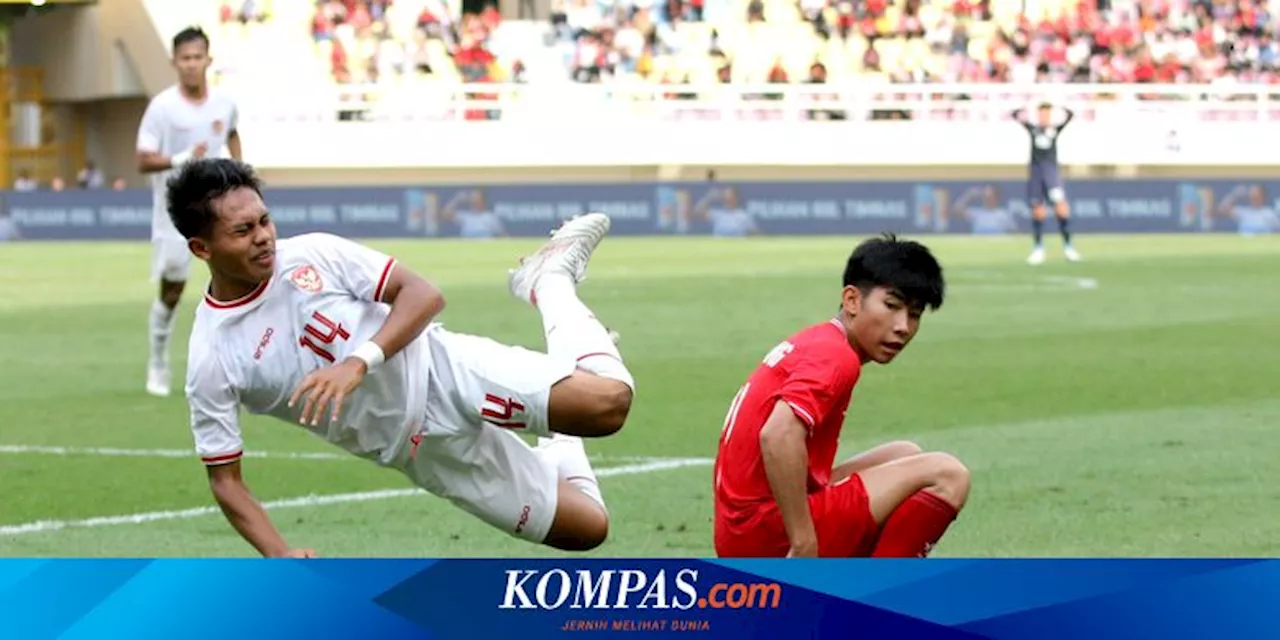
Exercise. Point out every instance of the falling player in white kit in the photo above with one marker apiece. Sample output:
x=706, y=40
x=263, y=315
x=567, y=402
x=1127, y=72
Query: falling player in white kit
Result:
x=327, y=332
x=184, y=122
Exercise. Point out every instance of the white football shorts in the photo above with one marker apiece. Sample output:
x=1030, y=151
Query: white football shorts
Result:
x=170, y=257
x=480, y=395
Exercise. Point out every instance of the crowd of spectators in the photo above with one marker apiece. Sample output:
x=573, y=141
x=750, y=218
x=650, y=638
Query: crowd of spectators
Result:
x=1088, y=41
x=791, y=41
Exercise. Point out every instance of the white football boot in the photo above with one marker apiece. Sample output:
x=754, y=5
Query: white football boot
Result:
x=568, y=252
x=158, y=379
x=1037, y=256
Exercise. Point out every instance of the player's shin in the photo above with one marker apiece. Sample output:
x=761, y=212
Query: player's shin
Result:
x=573, y=332
x=160, y=328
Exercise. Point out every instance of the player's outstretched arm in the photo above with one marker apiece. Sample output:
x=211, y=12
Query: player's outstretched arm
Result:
x=414, y=303
x=784, y=449
x=245, y=514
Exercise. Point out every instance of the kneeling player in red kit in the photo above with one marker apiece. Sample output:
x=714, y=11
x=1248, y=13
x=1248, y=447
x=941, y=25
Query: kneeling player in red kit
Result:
x=776, y=490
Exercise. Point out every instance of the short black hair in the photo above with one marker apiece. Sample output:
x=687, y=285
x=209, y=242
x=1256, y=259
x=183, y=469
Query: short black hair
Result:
x=905, y=266
x=191, y=192
x=190, y=34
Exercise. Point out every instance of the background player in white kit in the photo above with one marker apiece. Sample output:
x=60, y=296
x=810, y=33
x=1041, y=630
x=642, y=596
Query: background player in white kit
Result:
x=321, y=330
x=184, y=122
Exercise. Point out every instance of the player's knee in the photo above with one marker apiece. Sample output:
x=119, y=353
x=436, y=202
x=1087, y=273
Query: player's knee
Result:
x=595, y=533
x=589, y=405
x=902, y=449
x=950, y=478
x=587, y=533
x=171, y=294
x=612, y=407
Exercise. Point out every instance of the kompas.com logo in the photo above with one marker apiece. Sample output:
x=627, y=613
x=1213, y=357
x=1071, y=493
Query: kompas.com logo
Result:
x=631, y=589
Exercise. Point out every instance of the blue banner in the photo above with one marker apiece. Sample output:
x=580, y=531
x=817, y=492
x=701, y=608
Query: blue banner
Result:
x=773, y=599
x=727, y=209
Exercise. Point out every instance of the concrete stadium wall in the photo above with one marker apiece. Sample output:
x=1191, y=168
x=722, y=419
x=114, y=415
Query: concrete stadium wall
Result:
x=108, y=50
x=111, y=135
x=517, y=175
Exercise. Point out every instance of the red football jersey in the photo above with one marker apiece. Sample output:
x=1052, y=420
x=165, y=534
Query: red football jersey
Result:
x=814, y=371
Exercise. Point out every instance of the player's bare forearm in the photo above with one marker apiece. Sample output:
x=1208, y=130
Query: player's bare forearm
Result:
x=785, y=453
x=233, y=145
x=414, y=303
x=152, y=162
x=244, y=512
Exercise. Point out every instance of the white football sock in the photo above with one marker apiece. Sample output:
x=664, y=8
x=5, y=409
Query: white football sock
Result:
x=573, y=332
x=568, y=455
x=161, y=326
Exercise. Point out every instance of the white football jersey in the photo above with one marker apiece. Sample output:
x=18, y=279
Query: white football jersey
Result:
x=323, y=301
x=173, y=124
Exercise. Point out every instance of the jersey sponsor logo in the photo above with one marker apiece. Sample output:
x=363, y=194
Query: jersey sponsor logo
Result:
x=307, y=279
x=524, y=519
x=262, y=344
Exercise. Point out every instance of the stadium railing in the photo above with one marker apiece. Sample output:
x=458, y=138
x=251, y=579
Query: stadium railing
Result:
x=554, y=125
x=577, y=103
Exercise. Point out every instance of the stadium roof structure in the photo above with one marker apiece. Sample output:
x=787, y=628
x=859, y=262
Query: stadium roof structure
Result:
x=11, y=10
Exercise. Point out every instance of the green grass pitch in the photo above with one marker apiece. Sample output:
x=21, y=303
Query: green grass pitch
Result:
x=1124, y=406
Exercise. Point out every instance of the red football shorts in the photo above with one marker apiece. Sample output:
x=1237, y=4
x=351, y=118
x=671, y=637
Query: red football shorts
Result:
x=841, y=515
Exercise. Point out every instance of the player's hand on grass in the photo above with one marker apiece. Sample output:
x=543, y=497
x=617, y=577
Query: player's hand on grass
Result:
x=326, y=386
x=301, y=553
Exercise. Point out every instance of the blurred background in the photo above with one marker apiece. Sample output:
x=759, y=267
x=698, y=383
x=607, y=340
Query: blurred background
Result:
x=895, y=110
x=1125, y=405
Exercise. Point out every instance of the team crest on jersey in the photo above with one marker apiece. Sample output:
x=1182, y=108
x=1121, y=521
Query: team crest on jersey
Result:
x=307, y=279
x=217, y=127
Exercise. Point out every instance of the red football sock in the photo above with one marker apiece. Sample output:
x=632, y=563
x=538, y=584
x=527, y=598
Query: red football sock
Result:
x=914, y=527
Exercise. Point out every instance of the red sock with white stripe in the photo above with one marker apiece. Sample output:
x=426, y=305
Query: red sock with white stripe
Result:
x=573, y=332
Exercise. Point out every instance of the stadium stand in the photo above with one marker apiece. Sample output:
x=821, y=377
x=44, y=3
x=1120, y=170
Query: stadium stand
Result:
x=627, y=67
x=760, y=41
x=414, y=60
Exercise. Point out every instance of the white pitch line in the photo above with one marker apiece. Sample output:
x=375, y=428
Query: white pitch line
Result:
x=994, y=280
x=28, y=449
x=157, y=453
x=44, y=526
